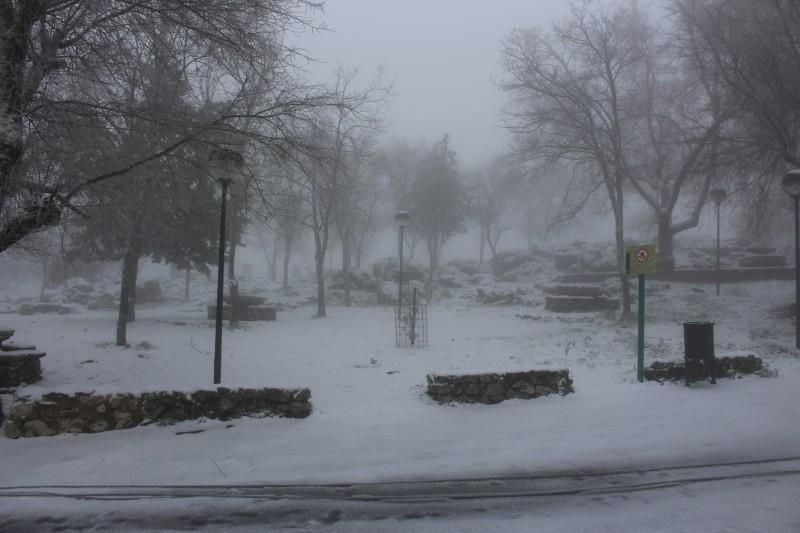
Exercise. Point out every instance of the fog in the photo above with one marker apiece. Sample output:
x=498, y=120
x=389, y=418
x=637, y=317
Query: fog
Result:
x=399, y=265
x=444, y=59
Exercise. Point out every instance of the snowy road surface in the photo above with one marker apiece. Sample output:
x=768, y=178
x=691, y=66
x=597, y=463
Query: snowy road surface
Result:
x=757, y=496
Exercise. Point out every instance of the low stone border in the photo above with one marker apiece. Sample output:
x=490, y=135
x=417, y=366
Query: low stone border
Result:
x=495, y=387
x=57, y=413
x=725, y=367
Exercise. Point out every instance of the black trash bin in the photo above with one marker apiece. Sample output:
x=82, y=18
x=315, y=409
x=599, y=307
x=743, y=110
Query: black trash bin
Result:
x=698, y=346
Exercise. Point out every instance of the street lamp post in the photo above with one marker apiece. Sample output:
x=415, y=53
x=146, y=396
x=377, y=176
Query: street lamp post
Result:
x=718, y=196
x=791, y=185
x=223, y=164
x=401, y=219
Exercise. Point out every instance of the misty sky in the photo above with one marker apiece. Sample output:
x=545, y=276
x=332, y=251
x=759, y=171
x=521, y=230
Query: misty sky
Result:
x=444, y=58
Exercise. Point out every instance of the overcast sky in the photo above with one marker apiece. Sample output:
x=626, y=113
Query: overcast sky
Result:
x=444, y=58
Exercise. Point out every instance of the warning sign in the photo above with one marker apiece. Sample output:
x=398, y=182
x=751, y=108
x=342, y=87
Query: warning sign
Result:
x=640, y=259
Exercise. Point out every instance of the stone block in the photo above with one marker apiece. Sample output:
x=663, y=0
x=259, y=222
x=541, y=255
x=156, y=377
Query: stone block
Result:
x=20, y=367
x=762, y=261
x=579, y=304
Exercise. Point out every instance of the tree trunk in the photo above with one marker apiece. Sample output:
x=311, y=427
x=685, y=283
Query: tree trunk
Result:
x=320, y=268
x=232, y=258
x=346, y=268
x=186, y=286
x=433, y=253
x=125, y=297
x=44, y=279
x=287, y=254
x=233, y=290
x=666, y=255
x=273, y=265
x=127, y=292
x=133, y=273
x=483, y=242
x=623, y=277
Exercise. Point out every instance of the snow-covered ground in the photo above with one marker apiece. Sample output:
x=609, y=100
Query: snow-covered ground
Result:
x=372, y=420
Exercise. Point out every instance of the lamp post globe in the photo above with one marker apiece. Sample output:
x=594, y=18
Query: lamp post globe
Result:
x=401, y=219
x=791, y=186
x=718, y=196
x=791, y=183
x=225, y=165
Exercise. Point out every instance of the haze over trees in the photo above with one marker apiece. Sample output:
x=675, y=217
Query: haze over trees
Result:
x=108, y=111
x=67, y=66
x=657, y=111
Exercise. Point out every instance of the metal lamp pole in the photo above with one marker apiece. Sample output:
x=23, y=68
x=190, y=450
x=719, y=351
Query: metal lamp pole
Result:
x=791, y=185
x=401, y=219
x=718, y=196
x=223, y=163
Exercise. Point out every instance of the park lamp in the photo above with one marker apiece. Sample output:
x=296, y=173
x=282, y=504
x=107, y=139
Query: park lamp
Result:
x=224, y=165
x=791, y=183
x=791, y=186
x=718, y=195
x=402, y=219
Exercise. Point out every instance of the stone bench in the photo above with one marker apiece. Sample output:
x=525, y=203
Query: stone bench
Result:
x=254, y=313
x=491, y=388
x=30, y=309
x=20, y=367
x=19, y=363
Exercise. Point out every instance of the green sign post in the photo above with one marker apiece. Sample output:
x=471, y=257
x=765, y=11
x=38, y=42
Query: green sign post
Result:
x=640, y=259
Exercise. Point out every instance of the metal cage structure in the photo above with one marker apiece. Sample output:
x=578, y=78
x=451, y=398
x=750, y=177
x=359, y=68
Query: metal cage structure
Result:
x=411, y=322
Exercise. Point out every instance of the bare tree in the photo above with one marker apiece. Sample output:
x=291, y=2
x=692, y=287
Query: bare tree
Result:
x=398, y=162
x=439, y=201
x=492, y=188
x=63, y=66
x=329, y=177
x=673, y=147
x=567, y=91
x=750, y=48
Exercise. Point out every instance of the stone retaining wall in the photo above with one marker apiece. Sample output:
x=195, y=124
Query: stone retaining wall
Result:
x=728, y=275
x=724, y=367
x=496, y=387
x=58, y=413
